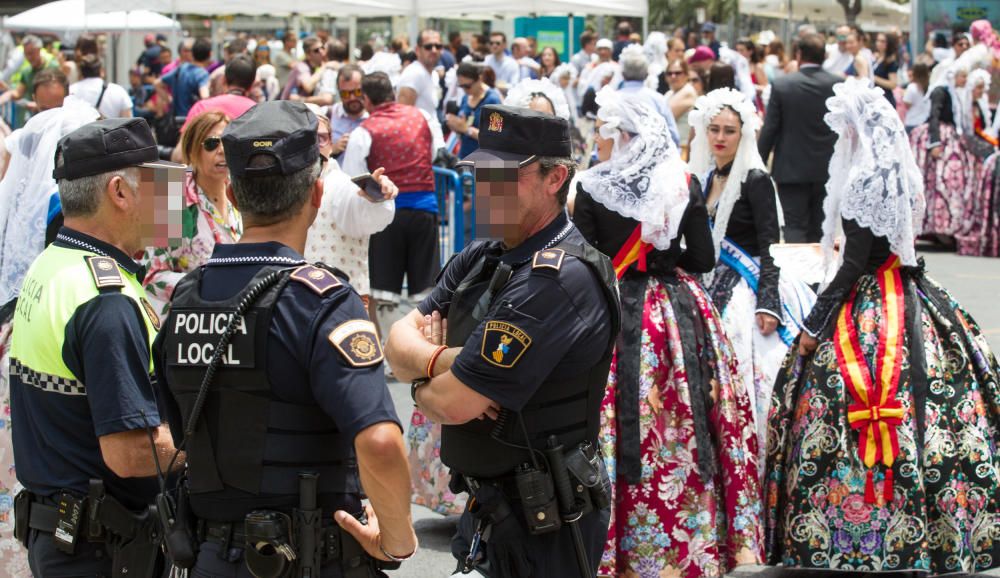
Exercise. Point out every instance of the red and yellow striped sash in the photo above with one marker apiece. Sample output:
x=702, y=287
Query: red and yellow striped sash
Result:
x=634, y=249
x=875, y=413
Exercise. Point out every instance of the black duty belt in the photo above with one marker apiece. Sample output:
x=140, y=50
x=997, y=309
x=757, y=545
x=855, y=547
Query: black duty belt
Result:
x=43, y=517
x=231, y=534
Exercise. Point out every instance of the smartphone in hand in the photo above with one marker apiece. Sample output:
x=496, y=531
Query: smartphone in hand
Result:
x=371, y=188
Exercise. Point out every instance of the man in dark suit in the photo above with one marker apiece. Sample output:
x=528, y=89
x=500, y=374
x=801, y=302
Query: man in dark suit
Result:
x=801, y=141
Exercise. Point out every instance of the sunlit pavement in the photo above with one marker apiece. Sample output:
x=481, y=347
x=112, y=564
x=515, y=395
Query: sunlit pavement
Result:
x=973, y=281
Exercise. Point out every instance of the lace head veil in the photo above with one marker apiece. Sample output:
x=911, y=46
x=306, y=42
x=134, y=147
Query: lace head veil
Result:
x=979, y=76
x=874, y=178
x=645, y=178
x=522, y=93
x=706, y=108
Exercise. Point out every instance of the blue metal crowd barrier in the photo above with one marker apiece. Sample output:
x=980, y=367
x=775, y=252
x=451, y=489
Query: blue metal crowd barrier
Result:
x=452, y=188
x=8, y=112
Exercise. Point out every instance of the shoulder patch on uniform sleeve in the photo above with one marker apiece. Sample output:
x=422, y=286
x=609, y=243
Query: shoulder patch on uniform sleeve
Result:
x=319, y=280
x=357, y=342
x=504, y=343
x=548, y=258
x=105, y=272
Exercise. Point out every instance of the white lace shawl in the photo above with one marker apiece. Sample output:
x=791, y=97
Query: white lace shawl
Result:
x=874, y=178
x=27, y=187
x=655, y=50
x=645, y=178
x=980, y=76
x=522, y=93
x=705, y=109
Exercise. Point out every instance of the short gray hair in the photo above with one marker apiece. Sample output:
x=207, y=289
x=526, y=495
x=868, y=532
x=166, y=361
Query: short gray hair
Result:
x=273, y=198
x=634, y=66
x=547, y=164
x=32, y=40
x=81, y=197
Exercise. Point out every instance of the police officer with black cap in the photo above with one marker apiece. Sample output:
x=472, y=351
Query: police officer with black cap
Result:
x=84, y=410
x=275, y=377
x=510, y=353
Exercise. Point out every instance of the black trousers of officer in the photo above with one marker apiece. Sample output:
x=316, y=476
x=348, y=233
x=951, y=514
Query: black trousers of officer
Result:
x=802, y=204
x=47, y=561
x=552, y=555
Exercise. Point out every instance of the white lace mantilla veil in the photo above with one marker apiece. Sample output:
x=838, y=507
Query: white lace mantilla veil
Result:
x=27, y=187
x=522, y=93
x=874, y=178
x=705, y=109
x=957, y=94
x=655, y=50
x=980, y=76
x=645, y=178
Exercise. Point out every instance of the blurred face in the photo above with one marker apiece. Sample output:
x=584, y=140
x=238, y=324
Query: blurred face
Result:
x=49, y=95
x=210, y=159
x=605, y=146
x=159, y=220
x=978, y=91
x=541, y=104
x=323, y=139
x=675, y=51
x=676, y=77
x=262, y=55
x=519, y=48
x=316, y=54
x=548, y=57
x=350, y=94
x=186, y=55
x=509, y=198
x=842, y=33
x=960, y=79
x=429, y=50
x=852, y=46
x=695, y=81
x=744, y=50
x=165, y=57
x=497, y=45
x=33, y=54
x=724, y=135
x=880, y=43
x=961, y=45
x=604, y=54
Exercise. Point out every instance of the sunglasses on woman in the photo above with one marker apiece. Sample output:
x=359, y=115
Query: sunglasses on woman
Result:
x=211, y=143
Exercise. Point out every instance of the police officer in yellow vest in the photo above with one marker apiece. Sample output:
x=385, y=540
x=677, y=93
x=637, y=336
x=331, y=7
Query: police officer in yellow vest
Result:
x=84, y=411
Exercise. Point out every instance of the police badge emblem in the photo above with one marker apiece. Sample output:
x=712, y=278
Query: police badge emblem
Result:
x=504, y=343
x=357, y=343
x=496, y=122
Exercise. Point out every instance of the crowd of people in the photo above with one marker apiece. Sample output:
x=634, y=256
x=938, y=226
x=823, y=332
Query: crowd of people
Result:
x=752, y=411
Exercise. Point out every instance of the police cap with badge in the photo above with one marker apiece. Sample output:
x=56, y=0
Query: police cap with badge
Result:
x=103, y=146
x=521, y=135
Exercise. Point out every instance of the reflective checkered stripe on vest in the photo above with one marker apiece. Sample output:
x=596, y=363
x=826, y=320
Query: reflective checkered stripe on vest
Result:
x=56, y=285
x=401, y=142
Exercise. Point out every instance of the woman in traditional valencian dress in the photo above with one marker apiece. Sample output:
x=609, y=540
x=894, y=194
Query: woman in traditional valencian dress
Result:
x=762, y=307
x=676, y=428
x=948, y=166
x=886, y=421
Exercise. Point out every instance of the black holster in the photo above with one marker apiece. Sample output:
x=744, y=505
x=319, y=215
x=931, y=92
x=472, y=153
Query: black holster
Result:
x=132, y=539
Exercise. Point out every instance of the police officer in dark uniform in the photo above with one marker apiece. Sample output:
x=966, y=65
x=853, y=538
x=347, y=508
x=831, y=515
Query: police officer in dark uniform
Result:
x=276, y=379
x=84, y=409
x=531, y=321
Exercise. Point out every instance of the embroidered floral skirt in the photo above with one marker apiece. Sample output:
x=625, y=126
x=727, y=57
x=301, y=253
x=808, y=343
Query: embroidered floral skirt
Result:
x=950, y=182
x=759, y=357
x=13, y=556
x=983, y=238
x=943, y=513
x=674, y=521
x=428, y=474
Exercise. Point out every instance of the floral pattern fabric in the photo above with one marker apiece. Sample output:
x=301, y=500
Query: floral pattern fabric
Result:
x=13, y=556
x=430, y=477
x=944, y=512
x=983, y=238
x=950, y=185
x=674, y=523
x=203, y=228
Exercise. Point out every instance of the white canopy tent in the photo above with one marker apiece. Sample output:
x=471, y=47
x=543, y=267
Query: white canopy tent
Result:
x=69, y=18
x=874, y=13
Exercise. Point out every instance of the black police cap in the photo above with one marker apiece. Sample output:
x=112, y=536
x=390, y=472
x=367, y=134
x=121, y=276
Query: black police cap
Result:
x=281, y=129
x=103, y=146
x=510, y=133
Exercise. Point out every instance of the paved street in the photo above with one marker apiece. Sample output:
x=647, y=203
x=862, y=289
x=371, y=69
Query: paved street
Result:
x=975, y=283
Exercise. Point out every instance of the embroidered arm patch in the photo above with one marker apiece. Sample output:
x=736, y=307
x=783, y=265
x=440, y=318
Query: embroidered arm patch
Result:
x=357, y=343
x=504, y=343
x=319, y=280
x=105, y=272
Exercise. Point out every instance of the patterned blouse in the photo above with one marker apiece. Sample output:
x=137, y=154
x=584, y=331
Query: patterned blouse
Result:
x=203, y=228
